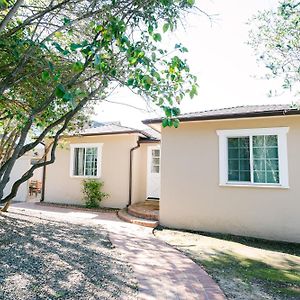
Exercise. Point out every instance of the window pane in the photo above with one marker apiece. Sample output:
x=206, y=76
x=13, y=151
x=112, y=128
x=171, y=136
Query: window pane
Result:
x=233, y=175
x=272, y=152
x=245, y=176
x=233, y=164
x=259, y=165
x=244, y=142
x=265, y=154
x=258, y=141
x=259, y=153
x=79, y=154
x=244, y=153
x=233, y=153
x=233, y=143
x=259, y=176
x=272, y=165
x=238, y=159
x=271, y=140
x=155, y=161
x=155, y=153
x=155, y=169
x=272, y=177
x=91, y=162
x=245, y=164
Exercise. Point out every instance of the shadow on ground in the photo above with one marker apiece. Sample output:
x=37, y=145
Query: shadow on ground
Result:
x=245, y=268
x=257, y=278
x=48, y=259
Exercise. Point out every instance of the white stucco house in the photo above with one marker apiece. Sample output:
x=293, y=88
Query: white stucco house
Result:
x=231, y=170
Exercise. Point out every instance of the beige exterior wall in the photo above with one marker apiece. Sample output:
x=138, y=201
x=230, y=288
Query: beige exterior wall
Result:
x=62, y=188
x=191, y=197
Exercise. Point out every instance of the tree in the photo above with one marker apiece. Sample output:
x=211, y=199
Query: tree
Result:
x=275, y=37
x=57, y=57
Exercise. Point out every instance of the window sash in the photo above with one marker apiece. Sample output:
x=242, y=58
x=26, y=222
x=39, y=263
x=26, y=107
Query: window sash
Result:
x=155, y=161
x=238, y=147
x=85, y=161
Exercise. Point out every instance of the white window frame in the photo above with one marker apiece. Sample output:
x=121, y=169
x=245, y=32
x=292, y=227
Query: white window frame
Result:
x=99, y=158
x=281, y=133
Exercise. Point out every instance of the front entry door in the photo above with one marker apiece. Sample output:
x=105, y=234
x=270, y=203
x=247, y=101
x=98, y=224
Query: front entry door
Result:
x=153, y=177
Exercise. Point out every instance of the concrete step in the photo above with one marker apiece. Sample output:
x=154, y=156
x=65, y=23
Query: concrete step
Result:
x=147, y=210
x=125, y=216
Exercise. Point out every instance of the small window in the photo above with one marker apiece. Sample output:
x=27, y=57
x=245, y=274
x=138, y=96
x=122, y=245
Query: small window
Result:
x=253, y=156
x=155, y=164
x=85, y=160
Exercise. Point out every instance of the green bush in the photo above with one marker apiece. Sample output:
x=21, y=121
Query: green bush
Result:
x=92, y=193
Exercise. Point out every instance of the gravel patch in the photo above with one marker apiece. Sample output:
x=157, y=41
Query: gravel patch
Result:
x=49, y=259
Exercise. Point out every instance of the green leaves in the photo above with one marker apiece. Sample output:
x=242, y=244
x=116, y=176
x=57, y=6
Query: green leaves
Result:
x=171, y=111
x=66, y=21
x=274, y=36
x=3, y=4
x=78, y=66
x=157, y=37
x=193, y=91
x=167, y=122
x=46, y=76
x=181, y=48
x=191, y=2
x=166, y=27
x=130, y=81
x=74, y=46
x=60, y=91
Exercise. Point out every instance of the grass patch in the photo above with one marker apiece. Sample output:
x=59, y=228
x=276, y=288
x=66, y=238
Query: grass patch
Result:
x=245, y=268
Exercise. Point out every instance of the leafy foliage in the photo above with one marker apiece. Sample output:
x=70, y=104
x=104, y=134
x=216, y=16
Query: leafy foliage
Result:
x=93, y=194
x=275, y=37
x=58, y=58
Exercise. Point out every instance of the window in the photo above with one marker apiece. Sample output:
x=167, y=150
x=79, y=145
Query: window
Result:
x=253, y=157
x=85, y=160
x=155, y=161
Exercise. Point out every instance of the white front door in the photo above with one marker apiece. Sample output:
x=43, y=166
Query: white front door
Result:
x=153, y=177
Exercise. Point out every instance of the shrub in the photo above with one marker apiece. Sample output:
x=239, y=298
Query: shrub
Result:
x=92, y=192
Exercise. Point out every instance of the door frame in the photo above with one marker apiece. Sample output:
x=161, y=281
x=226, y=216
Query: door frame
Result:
x=149, y=162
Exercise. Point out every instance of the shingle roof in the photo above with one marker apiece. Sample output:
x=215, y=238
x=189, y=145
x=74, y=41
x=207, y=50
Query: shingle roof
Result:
x=248, y=111
x=115, y=128
x=109, y=128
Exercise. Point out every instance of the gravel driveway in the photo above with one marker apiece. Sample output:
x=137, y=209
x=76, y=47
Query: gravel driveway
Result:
x=49, y=259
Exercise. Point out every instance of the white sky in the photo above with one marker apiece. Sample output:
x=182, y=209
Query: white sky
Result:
x=225, y=65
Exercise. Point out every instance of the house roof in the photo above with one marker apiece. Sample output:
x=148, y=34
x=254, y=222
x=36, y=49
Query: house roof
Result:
x=116, y=128
x=249, y=111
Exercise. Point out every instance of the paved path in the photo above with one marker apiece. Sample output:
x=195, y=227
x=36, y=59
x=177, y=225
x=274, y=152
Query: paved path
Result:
x=162, y=272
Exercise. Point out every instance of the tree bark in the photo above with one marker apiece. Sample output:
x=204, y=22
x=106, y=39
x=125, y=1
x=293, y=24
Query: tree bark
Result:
x=10, y=14
x=5, y=207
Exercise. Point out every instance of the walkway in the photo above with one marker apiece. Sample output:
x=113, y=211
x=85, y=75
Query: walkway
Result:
x=162, y=272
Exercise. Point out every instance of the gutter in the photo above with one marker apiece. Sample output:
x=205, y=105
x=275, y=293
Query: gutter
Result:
x=44, y=175
x=130, y=171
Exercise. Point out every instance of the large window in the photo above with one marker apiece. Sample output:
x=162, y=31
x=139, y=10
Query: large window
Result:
x=253, y=157
x=85, y=160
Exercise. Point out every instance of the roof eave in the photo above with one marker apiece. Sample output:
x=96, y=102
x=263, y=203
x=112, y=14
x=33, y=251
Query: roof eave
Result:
x=103, y=133
x=230, y=116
